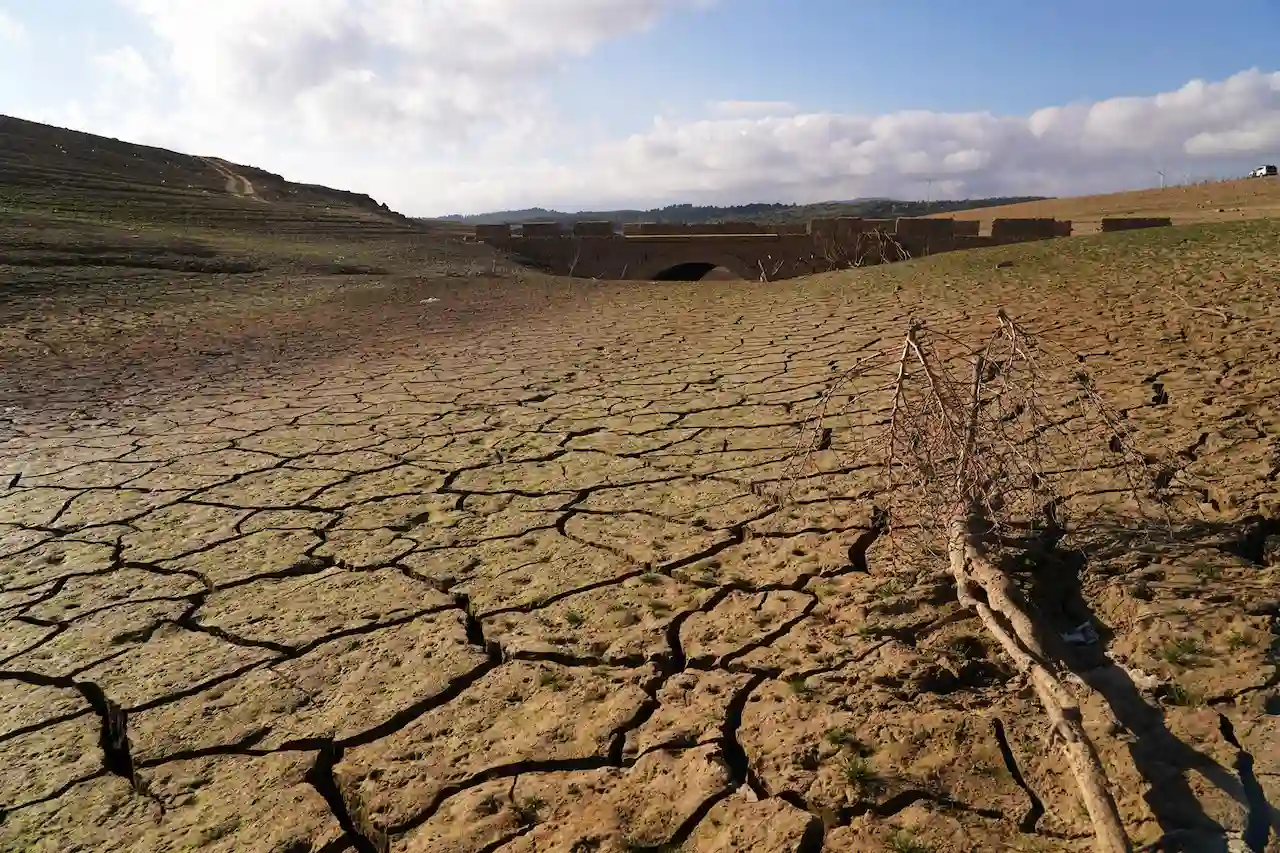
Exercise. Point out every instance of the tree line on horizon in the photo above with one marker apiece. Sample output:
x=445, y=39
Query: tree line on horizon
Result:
x=759, y=212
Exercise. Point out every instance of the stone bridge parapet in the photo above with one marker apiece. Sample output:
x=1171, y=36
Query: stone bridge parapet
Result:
x=664, y=251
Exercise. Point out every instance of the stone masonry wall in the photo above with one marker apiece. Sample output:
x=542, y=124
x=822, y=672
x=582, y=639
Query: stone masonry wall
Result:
x=1129, y=223
x=597, y=250
x=541, y=229
x=593, y=229
x=1019, y=230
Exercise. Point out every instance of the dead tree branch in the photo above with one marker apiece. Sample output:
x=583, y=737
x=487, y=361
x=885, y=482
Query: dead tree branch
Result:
x=974, y=441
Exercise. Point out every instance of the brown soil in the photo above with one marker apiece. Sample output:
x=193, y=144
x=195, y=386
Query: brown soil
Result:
x=1223, y=201
x=450, y=557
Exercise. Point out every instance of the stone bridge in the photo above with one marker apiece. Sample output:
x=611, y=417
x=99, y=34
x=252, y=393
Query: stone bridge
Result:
x=666, y=252
x=671, y=257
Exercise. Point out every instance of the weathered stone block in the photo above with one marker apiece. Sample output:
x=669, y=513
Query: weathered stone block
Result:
x=1019, y=230
x=493, y=233
x=925, y=228
x=542, y=229
x=594, y=229
x=655, y=228
x=1129, y=223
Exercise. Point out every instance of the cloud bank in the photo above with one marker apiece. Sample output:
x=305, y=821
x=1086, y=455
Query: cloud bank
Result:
x=1202, y=127
x=442, y=106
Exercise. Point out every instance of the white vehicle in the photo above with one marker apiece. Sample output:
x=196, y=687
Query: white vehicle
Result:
x=1263, y=172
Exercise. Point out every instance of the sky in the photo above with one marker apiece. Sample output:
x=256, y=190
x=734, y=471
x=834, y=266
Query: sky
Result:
x=466, y=106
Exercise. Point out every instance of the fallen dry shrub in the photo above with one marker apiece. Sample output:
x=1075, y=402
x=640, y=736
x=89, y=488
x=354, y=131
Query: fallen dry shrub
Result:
x=973, y=440
x=868, y=248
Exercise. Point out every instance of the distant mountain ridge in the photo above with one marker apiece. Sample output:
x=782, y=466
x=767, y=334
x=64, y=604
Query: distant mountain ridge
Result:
x=761, y=212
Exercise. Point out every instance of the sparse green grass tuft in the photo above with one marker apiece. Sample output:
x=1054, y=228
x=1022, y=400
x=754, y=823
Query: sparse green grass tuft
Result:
x=841, y=737
x=574, y=619
x=888, y=589
x=527, y=810
x=904, y=842
x=798, y=685
x=1183, y=697
x=1182, y=651
x=1238, y=640
x=860, y=775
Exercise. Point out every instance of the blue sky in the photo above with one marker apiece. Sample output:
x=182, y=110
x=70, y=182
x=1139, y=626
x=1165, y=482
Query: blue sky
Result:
x=1007, y=56
x=462, y=105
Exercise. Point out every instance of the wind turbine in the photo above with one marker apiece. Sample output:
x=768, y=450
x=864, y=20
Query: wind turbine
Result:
x=1160, y=172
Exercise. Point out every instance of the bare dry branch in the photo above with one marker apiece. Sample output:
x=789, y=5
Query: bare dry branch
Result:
x=1204, y=309
x=973, y=447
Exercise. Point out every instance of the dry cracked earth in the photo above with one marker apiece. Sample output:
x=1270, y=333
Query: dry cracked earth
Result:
x=490, y=578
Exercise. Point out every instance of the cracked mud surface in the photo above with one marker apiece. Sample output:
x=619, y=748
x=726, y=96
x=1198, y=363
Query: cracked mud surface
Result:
x=502, y=573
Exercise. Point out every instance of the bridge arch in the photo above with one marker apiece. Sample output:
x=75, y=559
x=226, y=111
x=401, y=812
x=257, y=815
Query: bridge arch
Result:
x=691, y=266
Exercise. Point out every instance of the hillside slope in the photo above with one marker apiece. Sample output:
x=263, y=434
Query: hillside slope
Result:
x=54, y=170
x=1222, y=201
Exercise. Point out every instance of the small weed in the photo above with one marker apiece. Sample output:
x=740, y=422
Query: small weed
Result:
x=1183, y=697
x=859, y=774
x=799, y=686
x=888, y=589
x=841, y=737
x=1238, y=640
x=1182, y=651
x=651, y=578
x=659, y=607
x=527, y=810
x=904, y=842
x=575, y=619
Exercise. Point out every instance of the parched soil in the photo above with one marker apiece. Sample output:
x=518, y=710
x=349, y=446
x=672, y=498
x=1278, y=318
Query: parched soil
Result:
x=455, y=560
x=1213, y=201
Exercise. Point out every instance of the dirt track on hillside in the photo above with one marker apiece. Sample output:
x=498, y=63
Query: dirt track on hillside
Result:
x=384, y=579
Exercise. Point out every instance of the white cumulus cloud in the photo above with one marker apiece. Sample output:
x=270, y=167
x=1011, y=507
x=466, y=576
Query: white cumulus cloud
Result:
x=342, y=71
x=1201, y=128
